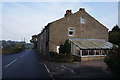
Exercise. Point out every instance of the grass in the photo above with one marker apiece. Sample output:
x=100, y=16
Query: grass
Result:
x=11, y=51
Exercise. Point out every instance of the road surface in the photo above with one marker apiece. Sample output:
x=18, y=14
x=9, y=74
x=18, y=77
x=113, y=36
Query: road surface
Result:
x=26, y=64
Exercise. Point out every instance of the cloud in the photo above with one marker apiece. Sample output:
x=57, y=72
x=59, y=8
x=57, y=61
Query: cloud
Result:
x=24, y=19
x=60, y=0
x=0, y=21
x=119, y=13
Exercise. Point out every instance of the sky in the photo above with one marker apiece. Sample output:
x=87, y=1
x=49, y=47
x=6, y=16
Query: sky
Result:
x=23, y=19
x=119, y=13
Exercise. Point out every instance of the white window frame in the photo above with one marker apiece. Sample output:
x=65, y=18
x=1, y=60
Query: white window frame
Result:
x=71, y=29
x=82, y=20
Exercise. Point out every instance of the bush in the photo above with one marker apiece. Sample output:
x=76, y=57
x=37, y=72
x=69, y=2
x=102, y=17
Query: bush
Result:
x=76, y=58
x=60, y=57
x=61, y=49
x=66, y=48
x=113, y=62
x=114, y=35
x=11, y=51
x=53, y=54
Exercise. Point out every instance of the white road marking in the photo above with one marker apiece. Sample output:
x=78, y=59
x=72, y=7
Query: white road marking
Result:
x=48, y=71
x=47, y=68
x=68, y=68
x=11, y=63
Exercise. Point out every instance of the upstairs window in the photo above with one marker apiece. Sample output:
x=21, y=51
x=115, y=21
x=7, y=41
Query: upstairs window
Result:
x=82, y=20
x=71, y=31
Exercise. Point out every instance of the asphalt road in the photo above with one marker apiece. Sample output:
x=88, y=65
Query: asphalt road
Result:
x=26, y=64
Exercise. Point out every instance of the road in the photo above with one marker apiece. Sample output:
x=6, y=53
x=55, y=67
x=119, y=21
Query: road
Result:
x=26, y=64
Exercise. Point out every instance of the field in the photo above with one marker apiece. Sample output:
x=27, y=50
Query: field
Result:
x=10, y=51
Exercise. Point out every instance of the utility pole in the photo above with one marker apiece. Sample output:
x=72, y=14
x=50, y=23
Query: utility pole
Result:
x=24, y=39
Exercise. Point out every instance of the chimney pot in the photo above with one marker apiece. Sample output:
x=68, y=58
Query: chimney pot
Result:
x=68, y=12
x=82, y=9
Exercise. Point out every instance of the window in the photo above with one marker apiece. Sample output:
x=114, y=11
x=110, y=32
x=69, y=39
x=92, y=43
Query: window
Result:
x=91, y=52
x=85, y=53
x=82, y=20
x=71, y=31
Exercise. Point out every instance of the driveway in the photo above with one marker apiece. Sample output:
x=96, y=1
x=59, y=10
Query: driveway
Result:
x=86, y=69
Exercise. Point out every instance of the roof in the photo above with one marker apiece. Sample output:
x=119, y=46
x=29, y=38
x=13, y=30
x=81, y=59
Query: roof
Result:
x=92, y=43
x=81, y=9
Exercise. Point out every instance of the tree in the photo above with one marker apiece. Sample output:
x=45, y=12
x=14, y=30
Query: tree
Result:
x=113, y=62
x=114, y=35
x=61, y=49
x=66, y=48
x=115, y=28
x=113, y=58
x=34, y=41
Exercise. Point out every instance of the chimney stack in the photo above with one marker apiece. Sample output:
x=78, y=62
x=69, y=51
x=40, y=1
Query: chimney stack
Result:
x=81, y=9
x=68, y=12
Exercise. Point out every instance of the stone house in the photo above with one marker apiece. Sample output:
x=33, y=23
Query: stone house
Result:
x=79, y=25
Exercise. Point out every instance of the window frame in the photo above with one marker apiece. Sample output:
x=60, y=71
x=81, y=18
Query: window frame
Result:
x=72, y=29
x=82, y=20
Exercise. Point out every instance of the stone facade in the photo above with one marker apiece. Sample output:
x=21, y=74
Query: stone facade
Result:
x=55, y=33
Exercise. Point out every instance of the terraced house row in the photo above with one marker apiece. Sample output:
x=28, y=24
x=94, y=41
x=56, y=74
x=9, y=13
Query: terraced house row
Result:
x=88, y=37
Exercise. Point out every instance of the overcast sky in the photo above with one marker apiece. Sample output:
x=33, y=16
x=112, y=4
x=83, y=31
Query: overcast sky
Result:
x=119, y=13
x=24, y=19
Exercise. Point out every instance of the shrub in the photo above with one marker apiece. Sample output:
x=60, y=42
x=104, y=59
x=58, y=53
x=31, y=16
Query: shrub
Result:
x=76, y=58
x=54, y=56
x=66, y=48
x=61, y=49
x=11, y=51
x=113, y=62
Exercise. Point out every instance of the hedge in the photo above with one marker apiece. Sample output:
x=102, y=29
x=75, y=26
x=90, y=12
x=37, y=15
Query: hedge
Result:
x=54, y=56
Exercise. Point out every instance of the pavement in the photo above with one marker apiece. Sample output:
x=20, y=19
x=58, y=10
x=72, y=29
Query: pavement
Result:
x=26, y=64
x=86, y=69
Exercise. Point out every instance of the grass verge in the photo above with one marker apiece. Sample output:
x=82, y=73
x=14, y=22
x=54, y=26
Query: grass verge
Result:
x=11, y=51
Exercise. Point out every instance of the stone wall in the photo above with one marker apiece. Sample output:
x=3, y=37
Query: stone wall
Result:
x=92, y=58
x=92, y=29
x=42, y=43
